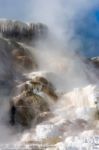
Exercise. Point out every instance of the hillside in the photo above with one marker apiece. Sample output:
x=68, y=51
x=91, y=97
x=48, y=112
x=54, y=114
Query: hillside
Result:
x=48, y=94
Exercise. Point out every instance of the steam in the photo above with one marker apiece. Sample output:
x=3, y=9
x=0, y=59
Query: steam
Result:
x=60, y=15
x=60, y=55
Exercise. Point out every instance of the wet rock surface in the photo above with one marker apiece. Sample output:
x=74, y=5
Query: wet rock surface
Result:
x=94, y=61
x=14, y=61
x=27, y=103
x=31, y=104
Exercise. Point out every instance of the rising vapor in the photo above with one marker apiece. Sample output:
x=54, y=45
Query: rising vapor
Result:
x=58, y=60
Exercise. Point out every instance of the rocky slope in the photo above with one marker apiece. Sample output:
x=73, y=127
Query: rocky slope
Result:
x=15, y=59
x=95, y=61
x=45, y=114
x=26, y=103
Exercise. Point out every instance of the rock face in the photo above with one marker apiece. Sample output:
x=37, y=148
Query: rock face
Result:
x=22, y=58
x=95, y=61
x=15, y=57
x=32, y=102
x=26, y=108
x=45, y=86
x=14, y=61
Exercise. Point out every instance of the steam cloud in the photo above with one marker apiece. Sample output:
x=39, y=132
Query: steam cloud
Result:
x=61, y=57
x=59, y=54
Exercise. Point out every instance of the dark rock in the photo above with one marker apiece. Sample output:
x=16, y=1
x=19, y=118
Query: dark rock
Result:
x=30, y=104
x=47, y=87
x=94, y=61
x=26, y=104
x=14, y=61
x=27, y=109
